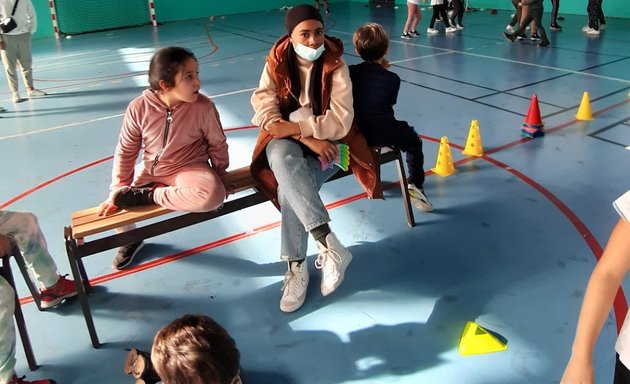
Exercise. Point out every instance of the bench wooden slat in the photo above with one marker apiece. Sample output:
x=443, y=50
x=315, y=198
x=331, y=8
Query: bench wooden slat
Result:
x=87, y=222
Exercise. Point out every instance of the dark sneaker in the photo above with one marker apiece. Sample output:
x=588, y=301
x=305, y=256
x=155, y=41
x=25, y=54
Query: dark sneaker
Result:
x=125, y=255
x=53, y=296
x=138, y=364
x=414, y=33
x=544, y=43
x=555, y=27
x=509, y=36
x=419, y=198
x=127, y=197
x=534, y=36
x=20, y=380
x=522, y=36
x=405, y=36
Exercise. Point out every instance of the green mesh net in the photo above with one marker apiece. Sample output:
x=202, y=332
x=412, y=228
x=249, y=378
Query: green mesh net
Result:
x=80, y=16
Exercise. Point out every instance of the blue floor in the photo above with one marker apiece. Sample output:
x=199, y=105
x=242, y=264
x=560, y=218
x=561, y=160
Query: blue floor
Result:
x=511, y=242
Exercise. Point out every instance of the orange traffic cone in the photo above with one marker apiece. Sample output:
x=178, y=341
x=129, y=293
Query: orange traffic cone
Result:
x=444, y=163
x=533, y=115
x=473, y=144
x=584, y=112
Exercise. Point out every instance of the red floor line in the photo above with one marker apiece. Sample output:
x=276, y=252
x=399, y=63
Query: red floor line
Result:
x=620, y=305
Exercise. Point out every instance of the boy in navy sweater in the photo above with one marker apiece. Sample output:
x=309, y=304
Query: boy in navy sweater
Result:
x=375, y=91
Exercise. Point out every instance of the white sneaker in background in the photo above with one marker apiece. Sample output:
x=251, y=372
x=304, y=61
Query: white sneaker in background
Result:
x=451, y=29
x=36, y=93
x=432, y=31
x=333, y=260
x=509, y=28
x=295, y=286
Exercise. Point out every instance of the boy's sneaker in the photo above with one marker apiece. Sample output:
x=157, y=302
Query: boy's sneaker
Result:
x=405, y=36
x=333, y=260
x=125, y=255
x=555, y=27
x=53, y=296
x=127, y=197
x=592, y=32
x=544, y=43
x=509, y=36
x=20, y=380
x=534, y=36
x=509, y=28
x=15, y=97
x=36, y=93
x=295, y=286
x=522, y=36
x=419, y=199
x=459, y=26
x=138, y=364
x=414, y=33
x=585, y=28
x=432, y=31
x=451, y=29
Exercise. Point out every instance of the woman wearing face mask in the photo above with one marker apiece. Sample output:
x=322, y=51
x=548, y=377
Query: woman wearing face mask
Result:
x=303, y=105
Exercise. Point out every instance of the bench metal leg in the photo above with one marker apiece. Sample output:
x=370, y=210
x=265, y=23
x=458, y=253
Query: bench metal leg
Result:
x=411, y=221
x=80, y=279
x=19, y=316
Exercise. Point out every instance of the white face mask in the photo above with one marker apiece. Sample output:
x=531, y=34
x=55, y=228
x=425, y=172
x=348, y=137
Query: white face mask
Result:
x=308, y=53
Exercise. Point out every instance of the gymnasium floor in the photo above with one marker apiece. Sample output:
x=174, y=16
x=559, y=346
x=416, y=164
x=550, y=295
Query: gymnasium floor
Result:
x=511, y=243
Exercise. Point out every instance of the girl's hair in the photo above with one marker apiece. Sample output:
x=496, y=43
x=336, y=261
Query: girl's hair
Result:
x=165, y=64
x=195, y=349
x=371, y=41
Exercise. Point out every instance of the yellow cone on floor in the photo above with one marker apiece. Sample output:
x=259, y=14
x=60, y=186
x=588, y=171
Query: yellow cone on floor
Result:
x=473, y=144
x=444, y=163
x=584, y=112
x=476, y=340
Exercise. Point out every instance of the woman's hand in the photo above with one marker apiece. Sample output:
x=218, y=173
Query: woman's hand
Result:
x=577, y=372
x=106, y=208
x=282, y=128
x=323, y=148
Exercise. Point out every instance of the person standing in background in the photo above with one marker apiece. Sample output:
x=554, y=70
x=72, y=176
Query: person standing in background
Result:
x=15, y=46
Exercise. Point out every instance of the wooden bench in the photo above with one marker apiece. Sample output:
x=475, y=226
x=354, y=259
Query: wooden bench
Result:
x=5, y=271
x=87, y=223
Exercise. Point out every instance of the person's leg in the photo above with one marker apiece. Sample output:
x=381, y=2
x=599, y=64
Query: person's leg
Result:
x=591, y=10
x=9, y=59
x=24, y=228
x=417, y=15
x=7, y=332
x=25, y=57
x=600, y=14
x=195, y=188
x=434, y=16
x=537, y=15
x=443, y=15
x=525, y=21
x=410, y=14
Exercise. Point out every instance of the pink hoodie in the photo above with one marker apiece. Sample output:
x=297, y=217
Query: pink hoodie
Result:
x=190, y=133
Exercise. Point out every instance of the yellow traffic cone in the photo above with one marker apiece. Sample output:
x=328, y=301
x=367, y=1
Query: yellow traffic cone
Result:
x=444, y=163
x=473, y=144
x=584, y=112
x=476, y=340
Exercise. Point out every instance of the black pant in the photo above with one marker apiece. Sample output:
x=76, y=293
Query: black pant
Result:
x=405, y=138
x=517, y=13
x=441, y=10
x=595, y=14
x=458, y=10
x=534, y=15
x=555, y=5
x=622, y=374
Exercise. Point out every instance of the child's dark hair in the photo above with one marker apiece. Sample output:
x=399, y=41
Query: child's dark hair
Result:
x=165, y=64
x=195, y=349
x=371, y=41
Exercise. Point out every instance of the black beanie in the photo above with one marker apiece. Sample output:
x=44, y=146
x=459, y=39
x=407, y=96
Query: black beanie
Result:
x=299, y=13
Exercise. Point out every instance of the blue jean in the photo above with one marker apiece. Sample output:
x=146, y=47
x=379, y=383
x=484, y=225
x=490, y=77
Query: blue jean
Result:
x=7, y=332
x=299, y=179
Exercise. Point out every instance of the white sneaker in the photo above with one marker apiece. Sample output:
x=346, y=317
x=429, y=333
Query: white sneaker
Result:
x=592, y=32
x=35, y=93
x=295, y=285
x=419, y=199
x=585, y=28
x=15, y=96
x=3, y=109
x=451, y=29
x=509, y=28
x=333, y=261
x=432, y=31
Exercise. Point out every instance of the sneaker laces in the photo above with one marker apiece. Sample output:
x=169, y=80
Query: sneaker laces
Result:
x=291, y=281
x=329, y=268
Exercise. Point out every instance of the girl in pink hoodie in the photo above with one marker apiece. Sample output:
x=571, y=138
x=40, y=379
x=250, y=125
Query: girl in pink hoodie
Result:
x=184, y=149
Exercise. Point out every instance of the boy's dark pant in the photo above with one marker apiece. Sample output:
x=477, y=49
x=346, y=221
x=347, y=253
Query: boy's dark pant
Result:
x=405, y=138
